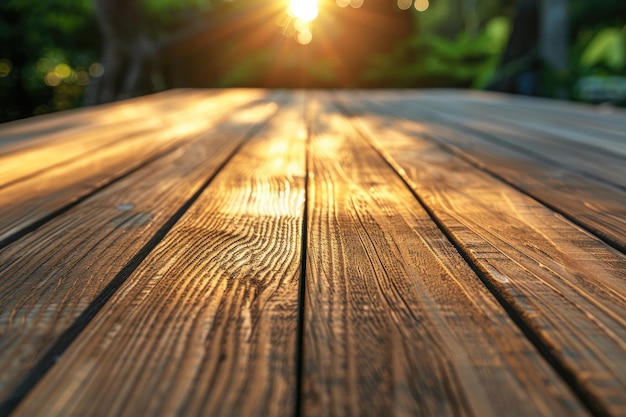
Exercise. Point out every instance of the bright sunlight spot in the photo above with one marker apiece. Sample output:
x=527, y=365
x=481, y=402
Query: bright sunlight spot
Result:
x=297, y=23
x=305, y=10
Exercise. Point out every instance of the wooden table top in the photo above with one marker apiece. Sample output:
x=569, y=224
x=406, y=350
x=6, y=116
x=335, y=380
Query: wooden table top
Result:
x=314, y=253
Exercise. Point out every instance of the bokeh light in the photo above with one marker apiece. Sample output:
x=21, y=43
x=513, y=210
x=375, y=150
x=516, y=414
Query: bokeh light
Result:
x=63, y=71
x=5, y=67
x=421, y=5
x=305, y=37
x=52, y=79
x=404, y=4
x=302, y=25
x=82, y=77
x=96, y=69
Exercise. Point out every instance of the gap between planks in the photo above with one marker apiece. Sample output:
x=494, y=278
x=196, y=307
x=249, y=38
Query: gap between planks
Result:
x=301, y=287
x=241, y=284
x=36, y=200
x=595, y=206
x=198, y=162
x=396, y=322
x=593, y=378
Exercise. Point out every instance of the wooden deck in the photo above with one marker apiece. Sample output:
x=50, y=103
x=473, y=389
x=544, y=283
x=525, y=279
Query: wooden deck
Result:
x=318, y=253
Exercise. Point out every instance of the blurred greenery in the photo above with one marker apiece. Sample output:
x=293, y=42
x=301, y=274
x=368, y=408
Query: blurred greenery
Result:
x=430, y=60
x=49, y=50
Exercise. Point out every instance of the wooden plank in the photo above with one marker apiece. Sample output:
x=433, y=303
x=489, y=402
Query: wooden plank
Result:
x=540, y=134
x=42, y=130
x=599, y=117
x=206, y=325
x=96, y=129
x=33, y=131
x=586, y=160
x=396, y=323
x=54, y=279
x=562, y=284
x=32, y=162
x=35, y=198
x=591, y=204
x=567, y=127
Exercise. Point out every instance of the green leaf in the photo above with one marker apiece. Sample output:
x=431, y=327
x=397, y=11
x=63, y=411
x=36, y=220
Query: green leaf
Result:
x=607, y=47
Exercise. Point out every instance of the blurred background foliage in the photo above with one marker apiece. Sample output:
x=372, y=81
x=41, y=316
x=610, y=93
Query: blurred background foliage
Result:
x=50, y=50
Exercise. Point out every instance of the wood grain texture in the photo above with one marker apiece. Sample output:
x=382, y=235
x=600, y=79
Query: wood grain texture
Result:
x=443, y=300
x=526, y=135
x=596, y=138
x=35, y=197
x=598, y=207
x=35, y=131
x=396, y=323
x=607, y=119
x=543, y=141
x=206, y=326
x=46, y=142
x=564, y=284
x=51, y=276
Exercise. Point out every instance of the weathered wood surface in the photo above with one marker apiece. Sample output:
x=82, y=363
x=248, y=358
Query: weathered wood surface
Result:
x=249, y=252
x=565, y=285
x=392, y=308
x=568, y=148
x=590, y=203
x=209, y=319
x=56, y=277
x=52, y=177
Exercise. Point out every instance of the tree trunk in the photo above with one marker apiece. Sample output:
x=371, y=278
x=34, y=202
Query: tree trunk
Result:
x=520, y=65
x=129, y=56
x=538, y=45
x=553, y=40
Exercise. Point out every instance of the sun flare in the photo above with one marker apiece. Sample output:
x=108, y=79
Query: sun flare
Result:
x=305, y=10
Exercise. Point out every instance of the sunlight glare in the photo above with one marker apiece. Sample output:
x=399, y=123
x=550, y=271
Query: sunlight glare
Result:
x=304, y=9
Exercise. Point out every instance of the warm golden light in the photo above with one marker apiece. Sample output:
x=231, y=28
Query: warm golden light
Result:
x=305, y=37
x=305, y=10
x=421, y=5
